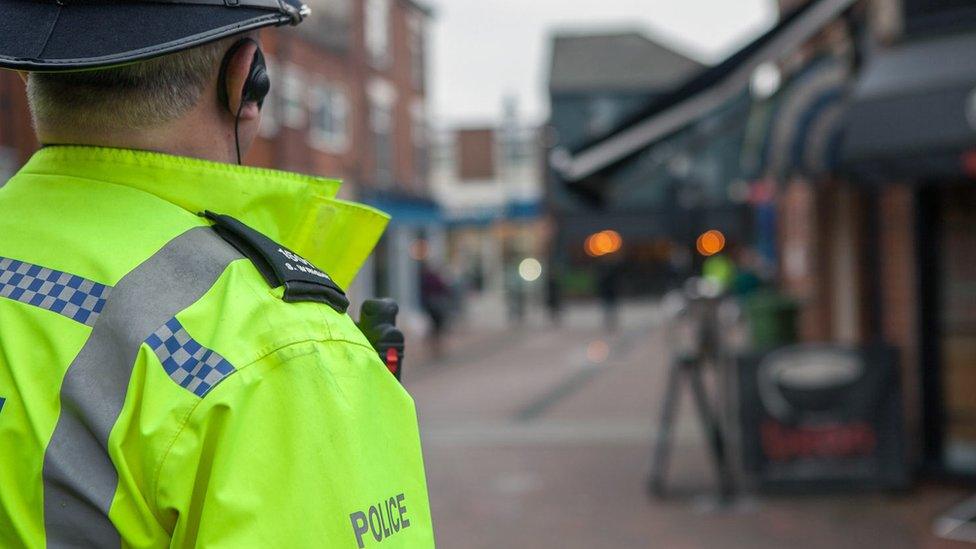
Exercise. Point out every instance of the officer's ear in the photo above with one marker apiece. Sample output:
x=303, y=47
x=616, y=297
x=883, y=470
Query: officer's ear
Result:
x=236, y=73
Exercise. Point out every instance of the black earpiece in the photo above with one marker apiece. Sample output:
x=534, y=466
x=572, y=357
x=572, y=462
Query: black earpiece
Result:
x=256, y=86
x=258, y=83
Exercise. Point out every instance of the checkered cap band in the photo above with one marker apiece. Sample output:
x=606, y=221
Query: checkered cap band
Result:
x=189, y=364
x=69, y=295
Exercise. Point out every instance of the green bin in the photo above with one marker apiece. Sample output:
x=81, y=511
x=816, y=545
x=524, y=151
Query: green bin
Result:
x=773, y=320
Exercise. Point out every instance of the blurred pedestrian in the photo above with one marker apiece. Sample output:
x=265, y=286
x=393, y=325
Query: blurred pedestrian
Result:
x=719, y=271
x=608, y=288
x=747, y=280
x=515, y=290
x=554, y=297
x=436, y=300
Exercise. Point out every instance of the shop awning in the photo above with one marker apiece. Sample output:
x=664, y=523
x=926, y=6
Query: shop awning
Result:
x=480, y=216
x=700, y=96
x=806, y=128
x=914, y=111
x=403, y=208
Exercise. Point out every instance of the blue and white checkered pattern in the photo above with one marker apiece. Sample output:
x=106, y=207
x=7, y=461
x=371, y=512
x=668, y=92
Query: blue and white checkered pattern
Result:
x=68, y=295
x=189, y=364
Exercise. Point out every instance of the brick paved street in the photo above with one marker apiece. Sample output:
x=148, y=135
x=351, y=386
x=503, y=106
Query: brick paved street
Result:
x=530, y=443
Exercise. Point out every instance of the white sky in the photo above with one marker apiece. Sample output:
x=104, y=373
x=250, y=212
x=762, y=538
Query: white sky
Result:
x=485, y=50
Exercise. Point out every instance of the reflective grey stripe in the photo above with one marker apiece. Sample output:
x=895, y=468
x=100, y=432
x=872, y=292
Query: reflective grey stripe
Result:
x=79, y=477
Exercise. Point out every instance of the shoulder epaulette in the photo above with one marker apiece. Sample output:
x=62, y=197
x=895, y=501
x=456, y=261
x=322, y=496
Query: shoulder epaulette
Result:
x=280, y=266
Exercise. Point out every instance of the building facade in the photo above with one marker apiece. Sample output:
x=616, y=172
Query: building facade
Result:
x=598, y=81
x=908, y=156
x=488, y=181
x=879, y=246
x=859, y=146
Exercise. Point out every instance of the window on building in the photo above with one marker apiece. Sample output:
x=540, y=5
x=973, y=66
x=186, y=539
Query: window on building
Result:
x=442, y=152
x=329, y=23
x=329, y=128
x=378, y=32
x=293, y=112
x=519, y=150
x=417, y=61
x=476, y=150
x=514, y=149
x=381, y=125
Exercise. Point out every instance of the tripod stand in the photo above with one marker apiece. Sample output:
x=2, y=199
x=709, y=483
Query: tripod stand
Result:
x=689, y=366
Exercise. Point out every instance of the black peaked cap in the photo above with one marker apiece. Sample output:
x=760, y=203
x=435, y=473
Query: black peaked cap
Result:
x=62, y=35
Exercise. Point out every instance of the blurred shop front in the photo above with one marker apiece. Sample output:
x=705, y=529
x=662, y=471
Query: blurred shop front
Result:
x=911, y=138
x=869, y=153
x=853, y=125
x=487, y=182
x=599, y=80
x=487, y=245
x=416, y=233
x=717, y=150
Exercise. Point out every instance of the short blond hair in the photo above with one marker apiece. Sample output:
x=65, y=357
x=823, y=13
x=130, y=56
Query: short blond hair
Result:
x=136, y=96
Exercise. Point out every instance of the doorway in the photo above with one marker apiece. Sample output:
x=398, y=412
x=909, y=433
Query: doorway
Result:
x=948, y=322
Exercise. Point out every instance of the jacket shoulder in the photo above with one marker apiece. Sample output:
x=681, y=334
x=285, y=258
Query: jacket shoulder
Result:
x=267, y=299
x=280, y=266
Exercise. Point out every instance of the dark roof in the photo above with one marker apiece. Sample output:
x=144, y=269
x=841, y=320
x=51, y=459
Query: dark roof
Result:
x=699, y=95
x=615, y=61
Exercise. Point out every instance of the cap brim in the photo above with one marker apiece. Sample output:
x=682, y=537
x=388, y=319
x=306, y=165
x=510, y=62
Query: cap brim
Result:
x=45, y=36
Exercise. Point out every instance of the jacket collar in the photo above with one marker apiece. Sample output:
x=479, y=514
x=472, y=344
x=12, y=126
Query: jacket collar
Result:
x=301, y=212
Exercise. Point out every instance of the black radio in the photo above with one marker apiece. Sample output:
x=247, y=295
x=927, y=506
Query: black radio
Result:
x=377, y=321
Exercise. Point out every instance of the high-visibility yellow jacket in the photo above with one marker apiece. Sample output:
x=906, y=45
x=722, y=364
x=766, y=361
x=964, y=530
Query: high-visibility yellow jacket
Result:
x=157, y=391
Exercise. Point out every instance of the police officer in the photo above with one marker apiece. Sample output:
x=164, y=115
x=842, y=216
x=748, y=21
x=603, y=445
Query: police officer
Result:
x=176, y=365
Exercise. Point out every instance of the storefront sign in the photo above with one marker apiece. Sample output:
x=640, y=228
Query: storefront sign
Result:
x=822, y=417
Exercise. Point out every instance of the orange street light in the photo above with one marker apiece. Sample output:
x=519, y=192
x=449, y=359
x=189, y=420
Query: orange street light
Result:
x=603, y=243
x=711, y=243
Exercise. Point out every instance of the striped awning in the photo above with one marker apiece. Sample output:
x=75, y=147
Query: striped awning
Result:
x=806, y=128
